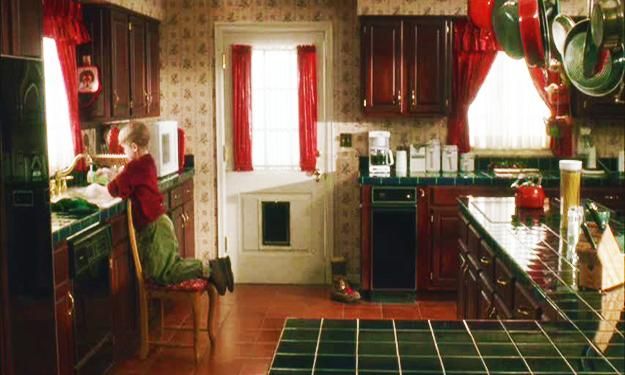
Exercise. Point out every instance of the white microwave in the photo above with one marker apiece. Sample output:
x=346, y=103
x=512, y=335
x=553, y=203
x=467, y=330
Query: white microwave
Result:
x=164, y=146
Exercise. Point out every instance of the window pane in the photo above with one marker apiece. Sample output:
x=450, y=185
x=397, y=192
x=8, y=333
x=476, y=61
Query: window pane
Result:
x=274, y=108
x=60, y=144
x=508, y=112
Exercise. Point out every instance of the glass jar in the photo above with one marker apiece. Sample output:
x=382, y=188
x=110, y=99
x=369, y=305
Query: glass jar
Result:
x=570, y=181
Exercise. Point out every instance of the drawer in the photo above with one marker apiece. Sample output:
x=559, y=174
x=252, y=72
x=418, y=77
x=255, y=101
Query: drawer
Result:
x=462, y=248
x=504, y=283
x=119, y=228
x=501, y=310
x=61, y=264
x=485, y=297
x=446, y=196
x=525, y=306
x=473, y=241
x=486, y=257
x=176, y=196
x=165, y=197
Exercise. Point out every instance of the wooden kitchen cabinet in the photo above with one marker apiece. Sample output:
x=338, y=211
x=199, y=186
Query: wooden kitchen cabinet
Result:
x=405, y=65
x=428, y=64
x=604, y=107
x=21, y=28
x=125, y=48
x=64, y=306
x=183, y=216
x=444, y=250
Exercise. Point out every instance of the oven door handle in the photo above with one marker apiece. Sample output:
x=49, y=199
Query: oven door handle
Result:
x=70, y=311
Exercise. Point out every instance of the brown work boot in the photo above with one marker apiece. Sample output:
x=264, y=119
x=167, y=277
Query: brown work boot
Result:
x=343, y=292
x=218, y=276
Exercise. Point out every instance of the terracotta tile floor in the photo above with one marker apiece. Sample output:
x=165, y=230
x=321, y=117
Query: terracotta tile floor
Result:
x=248, y=326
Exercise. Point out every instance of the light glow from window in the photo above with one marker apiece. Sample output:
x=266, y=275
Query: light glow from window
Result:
x=275, y=114
x=60, y=144
x=508, y=113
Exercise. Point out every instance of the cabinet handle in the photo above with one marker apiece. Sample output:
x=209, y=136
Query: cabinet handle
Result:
x=523, y=311
x=176, y=196
x=610, y=197
x=187, y=191
x=484, y=260
x=70, y=311
x=115, y=99
x=502, y=282
x=398, y=97
x=492, y=312
x=183, y=220
x=413, y=97
x=421, y=193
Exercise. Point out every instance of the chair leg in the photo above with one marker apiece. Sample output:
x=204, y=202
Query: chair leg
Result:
x=212, y=302
x=144, y=346
x=195, y=303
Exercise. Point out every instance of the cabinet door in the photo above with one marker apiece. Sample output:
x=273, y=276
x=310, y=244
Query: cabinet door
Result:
x=600, y=107
x=124, y=299
x=381, y=65
x=64, y=330
x=120, y=73
x=471, y=296
x=427, y=58
x=153, y=73
x=138, y=60
x=189, y=230
x=461, y=299
x=444, y=249
x=21, y=28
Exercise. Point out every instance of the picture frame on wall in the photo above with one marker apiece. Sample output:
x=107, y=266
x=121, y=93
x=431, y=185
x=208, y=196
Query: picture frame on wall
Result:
x=88, y=80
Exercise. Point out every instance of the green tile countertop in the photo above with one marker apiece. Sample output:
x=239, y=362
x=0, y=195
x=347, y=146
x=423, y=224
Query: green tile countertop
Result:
x=441, y=347
x=550, y=179
x=64, y=227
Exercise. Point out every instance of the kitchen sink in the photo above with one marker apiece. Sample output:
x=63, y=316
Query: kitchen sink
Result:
x=93, y=193
x=515, y=172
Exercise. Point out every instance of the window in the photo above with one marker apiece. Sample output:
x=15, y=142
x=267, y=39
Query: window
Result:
x=508, y=113
x=275, y=119
x=60, y=144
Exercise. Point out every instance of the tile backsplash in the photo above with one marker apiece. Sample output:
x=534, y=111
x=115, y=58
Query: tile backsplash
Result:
x=188, y=93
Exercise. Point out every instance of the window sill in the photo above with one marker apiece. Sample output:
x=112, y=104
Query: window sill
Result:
x=485, y=152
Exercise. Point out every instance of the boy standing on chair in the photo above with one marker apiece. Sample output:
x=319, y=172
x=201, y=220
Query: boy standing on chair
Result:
x=157, y=243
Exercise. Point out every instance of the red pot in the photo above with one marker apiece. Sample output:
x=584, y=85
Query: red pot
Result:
x=480, y=13
x=530, y=196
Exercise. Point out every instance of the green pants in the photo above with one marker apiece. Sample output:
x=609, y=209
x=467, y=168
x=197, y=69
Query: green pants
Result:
x=158, y=250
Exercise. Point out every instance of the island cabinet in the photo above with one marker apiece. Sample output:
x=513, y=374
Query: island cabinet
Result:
x=405, y=65
x=487, y=289
x=64, y=306
x=124, y=48
x=21, y=28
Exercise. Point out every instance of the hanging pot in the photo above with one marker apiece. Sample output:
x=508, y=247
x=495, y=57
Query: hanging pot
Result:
x=506, y=27
x=606, y=23
x=559, y=29
x=534, y=32
x=480, y=13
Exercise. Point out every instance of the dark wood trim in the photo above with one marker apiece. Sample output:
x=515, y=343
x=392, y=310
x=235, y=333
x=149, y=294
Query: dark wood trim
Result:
x=365, y=237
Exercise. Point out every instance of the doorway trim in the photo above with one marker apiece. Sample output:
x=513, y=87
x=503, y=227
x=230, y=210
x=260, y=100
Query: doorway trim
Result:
x=326, y=119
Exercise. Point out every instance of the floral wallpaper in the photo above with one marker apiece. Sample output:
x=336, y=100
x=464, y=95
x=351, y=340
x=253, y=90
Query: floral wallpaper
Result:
x=188, y=95
x=151, y=8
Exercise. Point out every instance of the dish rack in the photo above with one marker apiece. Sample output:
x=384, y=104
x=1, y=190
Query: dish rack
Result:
x=110, y=160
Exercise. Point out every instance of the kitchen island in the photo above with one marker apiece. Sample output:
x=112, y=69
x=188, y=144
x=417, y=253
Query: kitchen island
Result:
x=580, y=332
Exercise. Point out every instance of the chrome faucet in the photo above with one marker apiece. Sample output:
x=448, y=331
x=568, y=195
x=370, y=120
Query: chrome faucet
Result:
x=59, y=184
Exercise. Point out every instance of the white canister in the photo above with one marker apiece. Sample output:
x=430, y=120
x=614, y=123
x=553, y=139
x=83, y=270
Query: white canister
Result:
x=401, y=163
x=433, y=156
x=467, y=162
x=621, y=161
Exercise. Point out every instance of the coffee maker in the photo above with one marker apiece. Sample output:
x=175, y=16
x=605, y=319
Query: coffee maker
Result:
x=380, y=154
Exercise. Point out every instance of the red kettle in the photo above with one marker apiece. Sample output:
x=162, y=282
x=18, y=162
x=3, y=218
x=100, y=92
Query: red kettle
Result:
x=529, y=193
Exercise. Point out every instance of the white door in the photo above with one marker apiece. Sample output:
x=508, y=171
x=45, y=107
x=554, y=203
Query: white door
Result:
x=276, y=222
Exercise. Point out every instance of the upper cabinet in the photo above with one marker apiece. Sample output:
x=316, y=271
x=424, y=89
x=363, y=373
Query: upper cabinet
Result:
x=125, y=48
x=604, y=107
x=405, y=65
x=21, y=27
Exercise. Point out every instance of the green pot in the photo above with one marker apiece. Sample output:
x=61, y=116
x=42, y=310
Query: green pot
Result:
x=506, y=27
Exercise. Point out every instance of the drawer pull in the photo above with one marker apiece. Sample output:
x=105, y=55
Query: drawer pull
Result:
x=484, y=260
x=187, y=191
x=502, y=282
x=523, y=311
x=70, y=311
x=176, y=196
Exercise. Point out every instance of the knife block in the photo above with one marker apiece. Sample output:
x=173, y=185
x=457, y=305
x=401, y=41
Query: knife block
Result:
x=602, y=268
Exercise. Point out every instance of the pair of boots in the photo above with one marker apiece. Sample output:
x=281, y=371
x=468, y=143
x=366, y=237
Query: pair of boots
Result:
x=221, y=274
x=342, y=291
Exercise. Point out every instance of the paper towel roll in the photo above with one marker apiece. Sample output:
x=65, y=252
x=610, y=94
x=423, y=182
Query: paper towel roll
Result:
x=401, y=163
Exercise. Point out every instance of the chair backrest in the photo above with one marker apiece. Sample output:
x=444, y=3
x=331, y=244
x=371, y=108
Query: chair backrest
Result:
x=133, y=247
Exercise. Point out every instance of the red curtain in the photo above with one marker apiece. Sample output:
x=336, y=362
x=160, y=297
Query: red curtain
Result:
x=555, y=94
x=475, y=50
x=242, y=107
x=63, y=22
x=307, y=93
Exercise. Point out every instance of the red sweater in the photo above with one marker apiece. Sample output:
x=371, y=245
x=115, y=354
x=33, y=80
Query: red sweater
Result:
x=139, y=183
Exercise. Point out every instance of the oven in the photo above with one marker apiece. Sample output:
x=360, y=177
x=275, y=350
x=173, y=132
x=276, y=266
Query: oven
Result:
x=90, y=252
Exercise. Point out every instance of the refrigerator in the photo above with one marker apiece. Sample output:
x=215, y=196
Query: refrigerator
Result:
x=26, y=269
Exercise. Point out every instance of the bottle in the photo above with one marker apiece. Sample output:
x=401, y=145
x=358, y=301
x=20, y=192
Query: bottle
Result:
x=570, y=180
x=90, y=175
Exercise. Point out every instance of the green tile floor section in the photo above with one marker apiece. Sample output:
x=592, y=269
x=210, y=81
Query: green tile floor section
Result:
x=438, y=347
